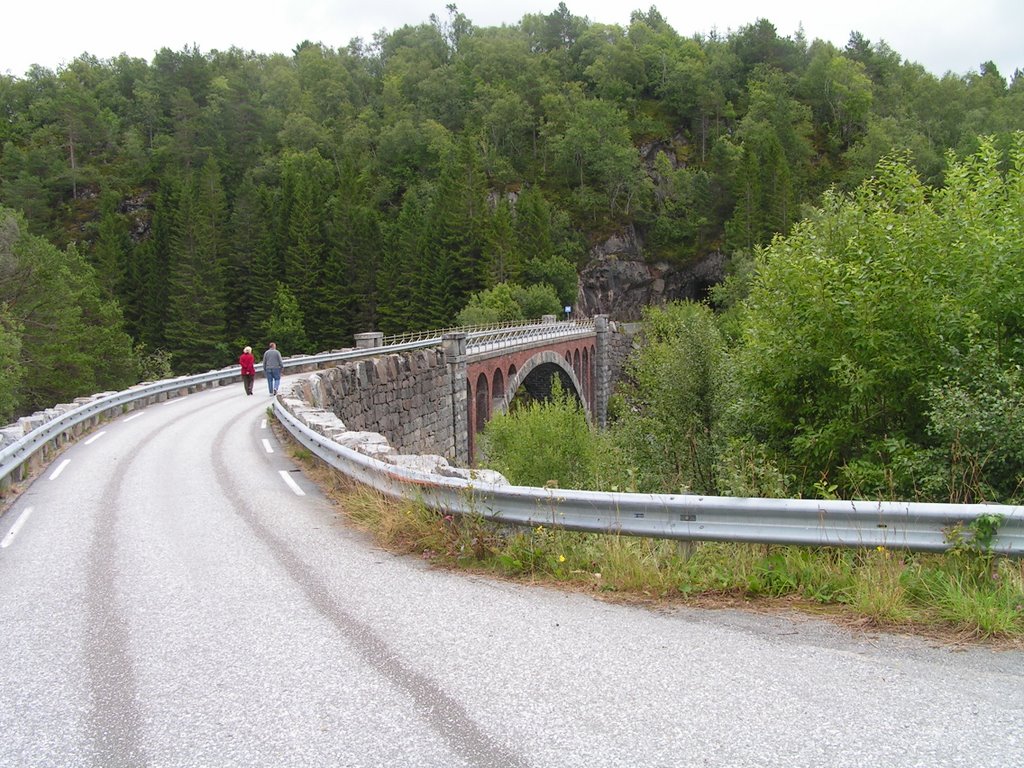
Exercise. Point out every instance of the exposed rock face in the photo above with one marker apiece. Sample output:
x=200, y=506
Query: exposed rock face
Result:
x=619, y=283
x=137, y=210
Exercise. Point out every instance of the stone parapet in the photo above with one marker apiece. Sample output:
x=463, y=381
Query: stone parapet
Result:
x=406, y=397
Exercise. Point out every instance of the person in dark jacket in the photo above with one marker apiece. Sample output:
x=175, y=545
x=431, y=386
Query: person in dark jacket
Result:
x=272, y=365
x=248, y=364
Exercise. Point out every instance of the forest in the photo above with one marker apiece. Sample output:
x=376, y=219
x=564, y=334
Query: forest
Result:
x=156, y=216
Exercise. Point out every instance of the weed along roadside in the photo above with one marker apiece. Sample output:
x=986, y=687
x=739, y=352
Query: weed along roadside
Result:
x=966, y=595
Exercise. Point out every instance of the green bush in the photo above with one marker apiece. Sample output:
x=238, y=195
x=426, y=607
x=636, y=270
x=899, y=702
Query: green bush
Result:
x=889, y=323
x=508, y=302
x=668, y=424
x=544, y=443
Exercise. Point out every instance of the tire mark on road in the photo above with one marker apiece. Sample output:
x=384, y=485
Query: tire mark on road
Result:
x=114, y=719
x=443, y=712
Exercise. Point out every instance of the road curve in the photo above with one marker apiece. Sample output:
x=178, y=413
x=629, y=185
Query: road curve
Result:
x=174, y=592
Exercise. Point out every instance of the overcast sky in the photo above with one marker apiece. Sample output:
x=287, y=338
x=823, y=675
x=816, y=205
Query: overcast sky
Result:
x=943, y=35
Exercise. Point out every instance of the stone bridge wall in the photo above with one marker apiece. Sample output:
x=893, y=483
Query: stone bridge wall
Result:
x=621, y=339
x=419, y=401
x=406, y=397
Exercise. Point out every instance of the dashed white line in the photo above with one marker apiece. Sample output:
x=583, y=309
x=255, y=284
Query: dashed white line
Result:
x=134, y=416
x=60, y=468
x=263, y=424
x=95, y=437
x=267, y=446
x=291, y=483
x=9, y=538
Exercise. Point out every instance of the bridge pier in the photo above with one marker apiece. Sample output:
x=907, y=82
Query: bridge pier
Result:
x=454, y=346
x=602, y=370
x=369, y=340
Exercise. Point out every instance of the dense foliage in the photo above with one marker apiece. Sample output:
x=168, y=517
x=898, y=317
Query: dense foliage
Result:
x=874, y=352
x=545, y=443
x=58, y=336
x=882, y=344
x=225, y=197
x=669, y=406
x=507, y=302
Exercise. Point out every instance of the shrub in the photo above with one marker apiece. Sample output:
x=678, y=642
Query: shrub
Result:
x=544, y=443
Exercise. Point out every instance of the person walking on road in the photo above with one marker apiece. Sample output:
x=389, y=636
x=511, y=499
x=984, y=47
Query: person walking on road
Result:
x=248, y=364
x=272, y=365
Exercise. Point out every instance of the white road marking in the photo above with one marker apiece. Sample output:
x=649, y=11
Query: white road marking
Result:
x=263, y=424
x=9, y=538
x=291, y=483
x=135, y=415
x=94, y=438
x=266, y=444
x=59, y=469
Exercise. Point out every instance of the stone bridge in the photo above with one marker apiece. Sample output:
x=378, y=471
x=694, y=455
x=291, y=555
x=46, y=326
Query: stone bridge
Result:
x=496, y=376
x=437, y=399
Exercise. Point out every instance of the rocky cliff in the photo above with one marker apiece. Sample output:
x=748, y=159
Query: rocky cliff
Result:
x=618, y=282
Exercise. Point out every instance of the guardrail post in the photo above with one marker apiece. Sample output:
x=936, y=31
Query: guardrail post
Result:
x=454, y=346
x=369, y=340
x=602, y=370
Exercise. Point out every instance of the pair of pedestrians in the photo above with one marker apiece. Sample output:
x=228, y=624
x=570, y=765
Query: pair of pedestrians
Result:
x=272, y=366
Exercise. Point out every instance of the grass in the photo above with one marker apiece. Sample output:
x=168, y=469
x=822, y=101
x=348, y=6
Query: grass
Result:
x=963, y=595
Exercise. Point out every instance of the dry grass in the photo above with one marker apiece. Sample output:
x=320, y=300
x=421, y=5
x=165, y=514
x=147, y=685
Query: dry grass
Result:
x=877, y=590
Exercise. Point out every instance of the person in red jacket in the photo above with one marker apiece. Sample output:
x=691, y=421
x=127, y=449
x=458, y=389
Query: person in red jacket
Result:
x=248, y=363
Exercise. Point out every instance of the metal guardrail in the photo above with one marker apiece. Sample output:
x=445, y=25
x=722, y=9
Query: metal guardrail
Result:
x=805, y=522
x=13, y=456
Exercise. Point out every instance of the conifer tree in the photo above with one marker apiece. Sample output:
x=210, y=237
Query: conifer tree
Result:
x=153, y=269
x=454, y=266
x=195, y=330
x=500, y=248
x=110, y=253
x=353, y=257
x=306, y=183
x=400, y=302
x=285, y=326
x=533, y=224
x=250, y=272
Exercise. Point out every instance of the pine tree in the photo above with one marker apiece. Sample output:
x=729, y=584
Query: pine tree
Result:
x=533, y=224
x=196, y=307
x=400, y=301
x=249, y=272
x=500, y=248
x=285, y=326
x=110, y=252
x=306, y=184
x=150, y=293
x=455, y=266
x=353, y=258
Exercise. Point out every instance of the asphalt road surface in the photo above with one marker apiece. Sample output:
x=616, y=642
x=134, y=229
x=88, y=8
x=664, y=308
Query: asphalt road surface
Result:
x=174, y=592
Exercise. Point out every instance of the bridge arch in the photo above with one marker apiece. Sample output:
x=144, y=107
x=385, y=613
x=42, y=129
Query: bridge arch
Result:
x=483, y=402
x=497, y=386
x=533, y=371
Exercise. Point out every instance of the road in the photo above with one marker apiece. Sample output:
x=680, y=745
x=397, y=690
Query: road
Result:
x=175, y=592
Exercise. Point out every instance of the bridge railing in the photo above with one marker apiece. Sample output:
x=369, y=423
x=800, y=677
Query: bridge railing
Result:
x=494, y=334
x=495, y=338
